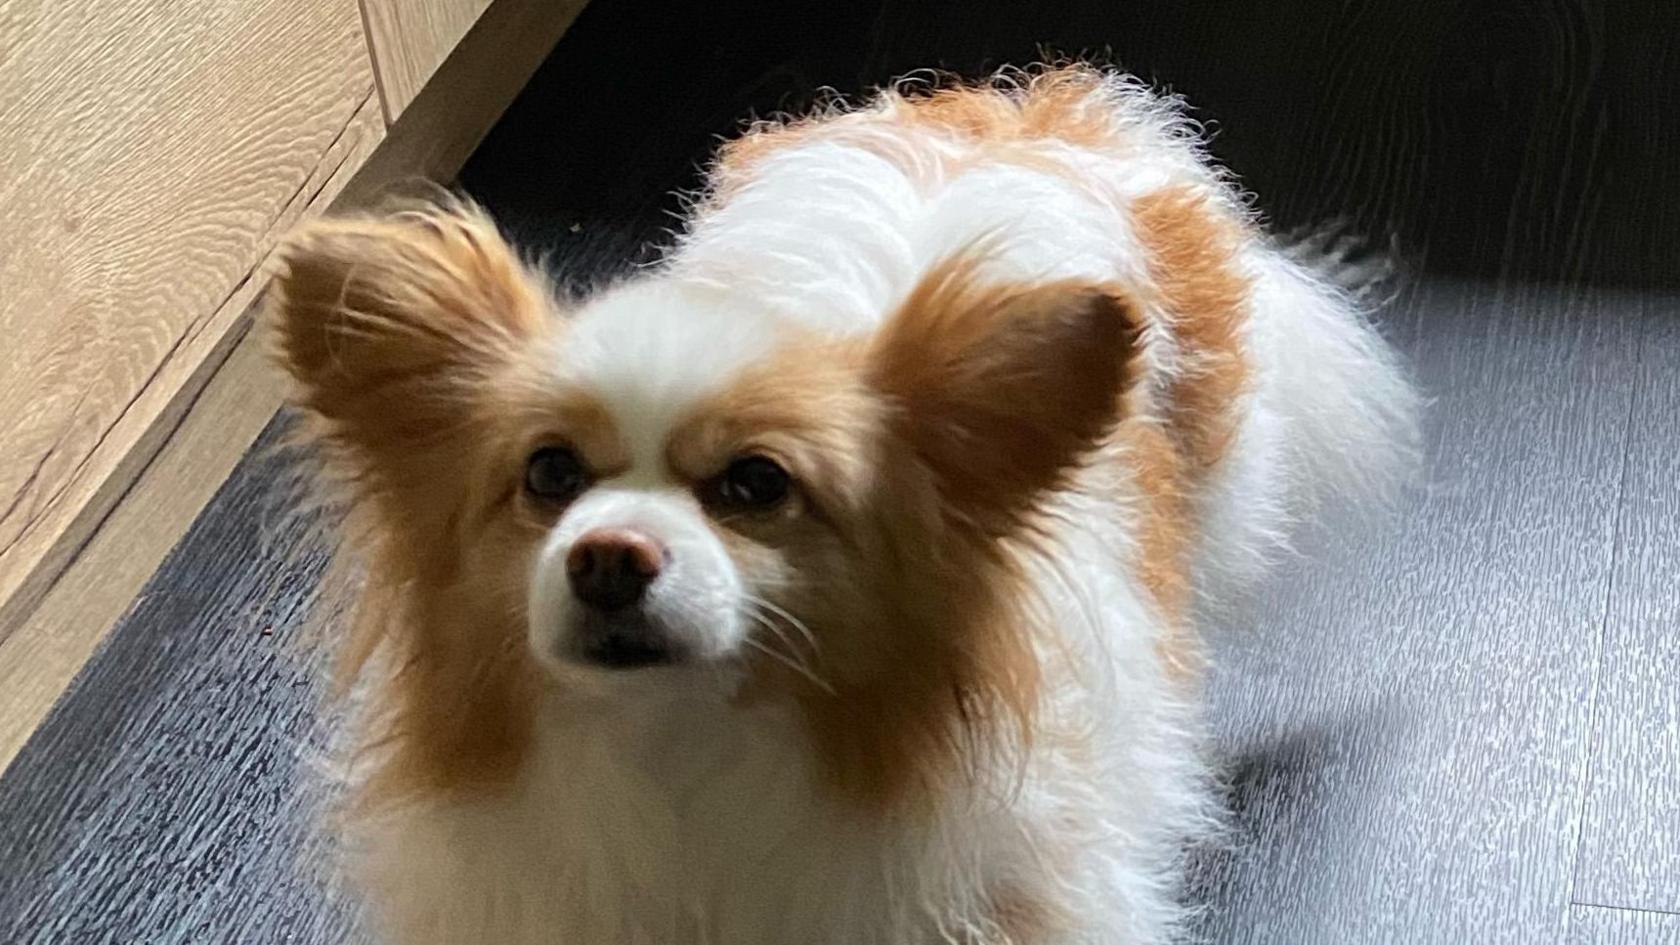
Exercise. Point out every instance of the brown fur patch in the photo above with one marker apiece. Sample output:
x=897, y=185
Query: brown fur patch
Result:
x=1064, y=103
x=806, y=408
x=1192, y=260
x=404, y=334
x=1163, y=538
x=571, y=418
x=1011, y=386
x=1192, y=250
x=1005, y=391
x=917, y=454
x=1017, y=918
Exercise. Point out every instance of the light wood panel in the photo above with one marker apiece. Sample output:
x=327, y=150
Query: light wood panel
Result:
x=54, y=639
x=410, y=39
x=150, y=154
x=204, y=432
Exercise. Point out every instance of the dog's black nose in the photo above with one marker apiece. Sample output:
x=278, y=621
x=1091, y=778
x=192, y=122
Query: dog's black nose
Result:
x=611, y=568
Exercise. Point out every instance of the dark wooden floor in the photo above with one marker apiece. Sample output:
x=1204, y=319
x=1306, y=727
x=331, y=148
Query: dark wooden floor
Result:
x=1463, y=727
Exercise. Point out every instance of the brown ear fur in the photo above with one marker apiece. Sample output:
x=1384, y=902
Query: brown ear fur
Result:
x=1005, y=388
x=399, y=331
x=999, y=392
x=378, y=318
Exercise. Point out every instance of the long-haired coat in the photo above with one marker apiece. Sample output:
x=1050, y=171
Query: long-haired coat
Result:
x=835, y=581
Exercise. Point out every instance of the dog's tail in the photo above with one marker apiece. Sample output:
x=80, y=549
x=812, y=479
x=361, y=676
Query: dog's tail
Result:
x=1349, y=408
x=1333, y=421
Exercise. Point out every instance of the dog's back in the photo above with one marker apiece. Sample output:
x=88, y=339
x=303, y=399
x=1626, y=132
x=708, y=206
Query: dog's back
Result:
x=1274, y=392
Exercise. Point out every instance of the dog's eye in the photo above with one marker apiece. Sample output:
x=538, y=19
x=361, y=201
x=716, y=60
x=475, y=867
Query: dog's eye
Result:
x=555, y=474
x=752, y=482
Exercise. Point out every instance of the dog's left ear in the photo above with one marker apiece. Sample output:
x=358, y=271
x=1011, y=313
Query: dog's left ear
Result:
x=1003, y=389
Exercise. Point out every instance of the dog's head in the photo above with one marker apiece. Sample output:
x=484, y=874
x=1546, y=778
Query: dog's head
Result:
x=665, y=488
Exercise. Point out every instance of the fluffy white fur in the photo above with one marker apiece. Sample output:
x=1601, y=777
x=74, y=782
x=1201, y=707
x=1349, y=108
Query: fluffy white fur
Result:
x=655, y=812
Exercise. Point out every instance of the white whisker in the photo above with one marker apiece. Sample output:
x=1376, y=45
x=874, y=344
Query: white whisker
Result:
x=791, y=664
x=795, y=622
x=784, y=658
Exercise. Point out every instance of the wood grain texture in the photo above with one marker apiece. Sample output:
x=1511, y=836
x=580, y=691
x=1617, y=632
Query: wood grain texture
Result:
x=1630, y=839
x=149, y=155
x=1594, y=925
x=410, y=39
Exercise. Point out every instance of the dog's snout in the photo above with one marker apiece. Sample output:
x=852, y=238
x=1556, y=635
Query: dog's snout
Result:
x=630, y=580
x=611, y=568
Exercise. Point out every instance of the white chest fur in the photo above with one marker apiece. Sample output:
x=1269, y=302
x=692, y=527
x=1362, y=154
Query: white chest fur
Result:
x=689, y=821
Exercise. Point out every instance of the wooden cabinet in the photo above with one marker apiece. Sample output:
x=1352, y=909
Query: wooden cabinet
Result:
x=410, y=39
x=151, y=153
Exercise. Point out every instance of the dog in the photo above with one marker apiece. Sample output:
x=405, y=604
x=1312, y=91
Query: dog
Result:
x=836, y=580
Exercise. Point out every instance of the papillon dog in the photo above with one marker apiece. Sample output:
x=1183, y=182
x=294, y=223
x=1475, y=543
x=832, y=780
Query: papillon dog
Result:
x=835, y=581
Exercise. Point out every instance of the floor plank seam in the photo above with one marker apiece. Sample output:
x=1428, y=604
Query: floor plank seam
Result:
x=1583, y=794
x=1642, y=909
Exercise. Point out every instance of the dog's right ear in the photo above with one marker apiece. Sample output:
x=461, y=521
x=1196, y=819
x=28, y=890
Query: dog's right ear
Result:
x=386, y=322
x=1004, y=389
